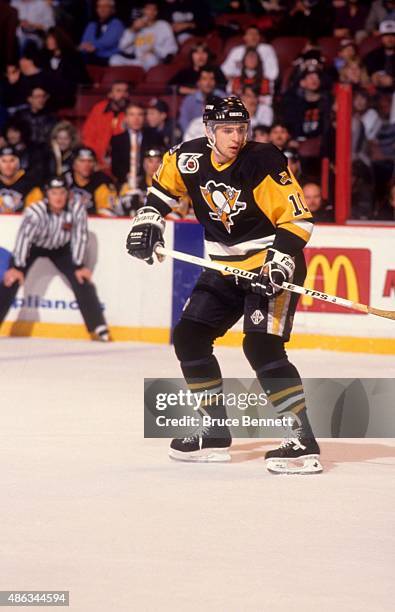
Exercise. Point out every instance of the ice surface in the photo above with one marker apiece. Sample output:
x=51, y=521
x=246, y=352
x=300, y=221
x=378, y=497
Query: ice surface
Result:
x=90, y=506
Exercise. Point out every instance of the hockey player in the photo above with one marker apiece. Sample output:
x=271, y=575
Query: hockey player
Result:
x=17, y=188
x=254, y=215
x=95, y=188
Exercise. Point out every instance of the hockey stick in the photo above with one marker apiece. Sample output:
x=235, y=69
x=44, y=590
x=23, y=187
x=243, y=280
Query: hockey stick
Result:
x=317, y=295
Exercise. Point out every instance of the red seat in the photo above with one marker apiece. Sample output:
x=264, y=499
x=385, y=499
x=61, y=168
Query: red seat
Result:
x=85, y=101
x=369, y=44
x=96, y=73
x=244, y=20
x=130, y=74
x=186, y=47
x=288, y=49
x=232, y=42
x=329, y=46
x=161, y=75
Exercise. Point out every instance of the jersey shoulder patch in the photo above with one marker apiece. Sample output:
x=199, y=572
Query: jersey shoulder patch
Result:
x=267, y=159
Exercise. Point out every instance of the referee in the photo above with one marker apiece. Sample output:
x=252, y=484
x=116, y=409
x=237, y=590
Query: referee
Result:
x=56, y=228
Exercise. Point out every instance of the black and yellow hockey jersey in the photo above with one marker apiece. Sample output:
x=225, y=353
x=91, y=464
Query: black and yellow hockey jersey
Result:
x=18, y=192
x=97, y=193
x=245, y=205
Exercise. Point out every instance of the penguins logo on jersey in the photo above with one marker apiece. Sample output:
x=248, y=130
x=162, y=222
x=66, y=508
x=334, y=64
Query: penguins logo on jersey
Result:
x=223, y=201
x=10, y=200
x=188, y=162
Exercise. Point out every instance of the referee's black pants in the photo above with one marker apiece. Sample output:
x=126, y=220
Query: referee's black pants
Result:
x=85, y=292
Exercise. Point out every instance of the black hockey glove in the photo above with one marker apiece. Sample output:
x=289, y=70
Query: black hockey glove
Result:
x=146, y=232
x=278, y=267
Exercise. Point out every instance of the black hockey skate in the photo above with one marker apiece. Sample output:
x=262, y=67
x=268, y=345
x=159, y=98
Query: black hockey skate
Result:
x=297, y=455
x=208, y=445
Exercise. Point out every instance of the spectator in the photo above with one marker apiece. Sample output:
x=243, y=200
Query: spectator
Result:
x=14, y=89
x=128, y=148
x=350, y=20
x=91, y=186
x=310, y=18
x=192, y=106
x=322, y=212
x=307, y=110
x=64, y=139
x=260, y=113
x=279, y=135
x=65, y=64
x=380, y=63
x=347, y=53
x=261, y=133
x=381, y=10
x=187, y=17
x=157, y=120
x=186, y=79
x=36, y=118
x=310, y=59
x=251, y=75
x=194, y=130
x=109, y=114
x=294, y=164
x=33, y=75
x=355, y=74
x=232, y=65
x=35, y=17
x=56, y=228
x=17, y=188
x=8, y=27
x=130, y=201
x=369, y=116
x=386, y=212
x=31, y=159
x=101, y=36
x=148, y=42
x=382, y=148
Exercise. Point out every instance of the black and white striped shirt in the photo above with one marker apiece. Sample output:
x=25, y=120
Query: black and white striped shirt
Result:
x=40, y=227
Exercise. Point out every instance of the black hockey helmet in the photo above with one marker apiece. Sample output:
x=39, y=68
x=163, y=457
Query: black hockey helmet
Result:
x=225, y=110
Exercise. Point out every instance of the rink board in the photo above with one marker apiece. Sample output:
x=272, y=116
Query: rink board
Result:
x=143, y=302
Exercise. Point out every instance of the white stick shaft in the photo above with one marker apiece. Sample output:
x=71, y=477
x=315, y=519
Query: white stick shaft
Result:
x=213, y=265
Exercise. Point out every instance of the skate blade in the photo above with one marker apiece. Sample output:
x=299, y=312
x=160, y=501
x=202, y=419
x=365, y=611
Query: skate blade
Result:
x=309, y=464
x=207, y=455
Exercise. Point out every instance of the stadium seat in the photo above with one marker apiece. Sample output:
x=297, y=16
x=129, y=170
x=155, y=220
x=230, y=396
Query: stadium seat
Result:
x=369, y=44
x=96, y=73
x=131, y=74
x=244, y=20
x=232, y=42
x=161, y=75
x=288, y=49
x=329, y=46
x=85, y=101
x=186, y=46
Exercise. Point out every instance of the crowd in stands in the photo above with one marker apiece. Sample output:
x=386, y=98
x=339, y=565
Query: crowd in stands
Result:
x=96, y=91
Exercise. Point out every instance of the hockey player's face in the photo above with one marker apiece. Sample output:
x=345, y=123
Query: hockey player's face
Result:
x=151, y=164
x=9, y=165
x=57, y=198
x=229, y=140
x=84, y=167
